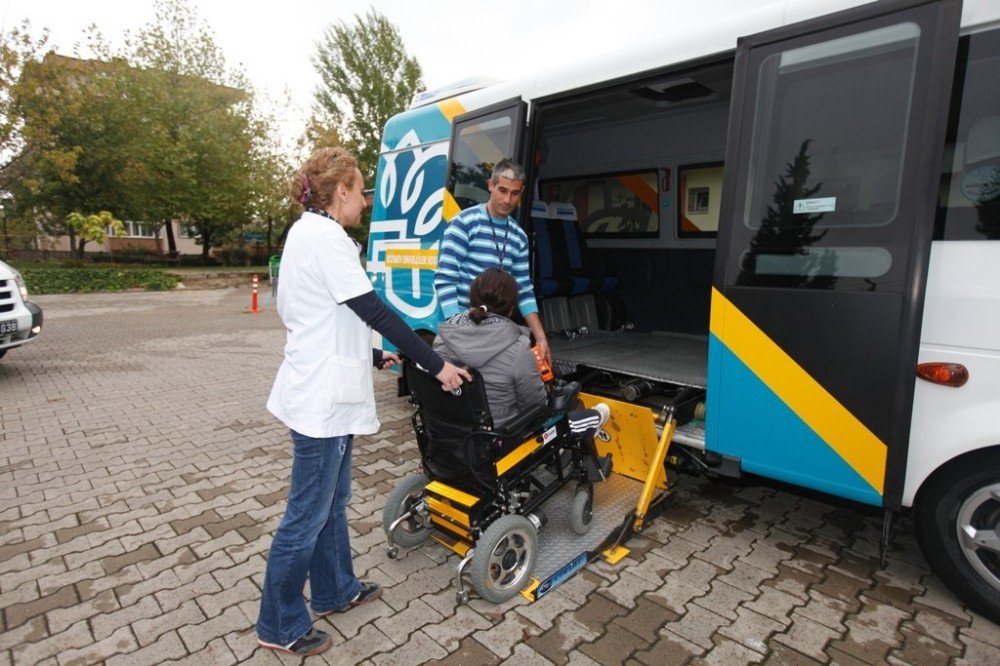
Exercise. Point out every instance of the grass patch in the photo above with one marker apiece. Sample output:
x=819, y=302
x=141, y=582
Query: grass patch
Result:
x=74, y=280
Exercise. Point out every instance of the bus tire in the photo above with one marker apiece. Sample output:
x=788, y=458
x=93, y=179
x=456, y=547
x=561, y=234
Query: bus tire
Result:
x=958, y=527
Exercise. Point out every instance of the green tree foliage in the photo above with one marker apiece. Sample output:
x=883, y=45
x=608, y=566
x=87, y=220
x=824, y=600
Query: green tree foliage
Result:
x=94, y=227
x=159, y=131
x=367, y=77
x=203, y=141
x=77, y=126
x=18, y=48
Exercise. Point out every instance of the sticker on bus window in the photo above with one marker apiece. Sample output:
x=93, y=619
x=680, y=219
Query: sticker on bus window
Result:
x=982, y=184
x=821, y=205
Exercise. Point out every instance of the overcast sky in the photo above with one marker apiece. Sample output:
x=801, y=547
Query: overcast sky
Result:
x=273, y=42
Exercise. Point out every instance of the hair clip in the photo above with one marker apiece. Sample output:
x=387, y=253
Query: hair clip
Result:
x=306, y=190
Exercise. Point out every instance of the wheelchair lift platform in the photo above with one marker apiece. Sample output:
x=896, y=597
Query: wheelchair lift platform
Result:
x=562, y=552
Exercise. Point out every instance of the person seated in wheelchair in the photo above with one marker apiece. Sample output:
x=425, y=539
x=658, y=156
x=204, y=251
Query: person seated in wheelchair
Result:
x=486, y=339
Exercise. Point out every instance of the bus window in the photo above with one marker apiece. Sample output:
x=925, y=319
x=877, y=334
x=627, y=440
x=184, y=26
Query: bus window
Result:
x=619, y=205
x=969, y=205
x=480, y=143
x=822, y=207
x=699, y=197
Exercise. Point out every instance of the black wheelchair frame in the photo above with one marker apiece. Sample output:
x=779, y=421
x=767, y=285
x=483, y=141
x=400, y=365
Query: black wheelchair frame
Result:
x=483, y=488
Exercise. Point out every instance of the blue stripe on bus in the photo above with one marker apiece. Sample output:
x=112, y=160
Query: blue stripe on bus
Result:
x=748, y=421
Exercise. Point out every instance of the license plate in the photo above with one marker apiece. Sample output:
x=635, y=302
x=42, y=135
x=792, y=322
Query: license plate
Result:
x=8, y=327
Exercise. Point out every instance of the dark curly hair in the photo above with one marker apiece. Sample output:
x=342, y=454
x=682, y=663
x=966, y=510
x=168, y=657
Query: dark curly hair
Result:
x=493, y=291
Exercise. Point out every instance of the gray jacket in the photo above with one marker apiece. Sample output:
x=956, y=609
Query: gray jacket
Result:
x=500, y=350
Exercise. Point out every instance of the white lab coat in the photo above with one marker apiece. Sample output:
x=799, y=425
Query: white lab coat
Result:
x=324, y=386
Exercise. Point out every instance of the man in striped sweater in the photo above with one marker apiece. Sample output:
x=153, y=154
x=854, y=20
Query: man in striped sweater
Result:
x=486, y=236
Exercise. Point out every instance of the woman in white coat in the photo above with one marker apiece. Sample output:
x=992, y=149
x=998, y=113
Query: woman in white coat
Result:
x=324, y=394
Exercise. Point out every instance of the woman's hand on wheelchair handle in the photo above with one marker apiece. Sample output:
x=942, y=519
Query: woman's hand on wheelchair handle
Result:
x=451, y=377
x=389, y=360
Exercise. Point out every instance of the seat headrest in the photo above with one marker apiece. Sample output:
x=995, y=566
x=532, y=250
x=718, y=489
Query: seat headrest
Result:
x=539, y=210
x=562, y=211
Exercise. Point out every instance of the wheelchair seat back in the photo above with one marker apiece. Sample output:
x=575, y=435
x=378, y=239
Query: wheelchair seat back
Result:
x=453, y=428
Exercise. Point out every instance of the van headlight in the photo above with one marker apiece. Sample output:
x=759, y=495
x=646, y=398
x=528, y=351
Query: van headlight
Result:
x=23, y=288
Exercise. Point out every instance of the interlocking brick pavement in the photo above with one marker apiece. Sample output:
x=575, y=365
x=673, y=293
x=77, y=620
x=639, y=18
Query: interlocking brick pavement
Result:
x=141, y=480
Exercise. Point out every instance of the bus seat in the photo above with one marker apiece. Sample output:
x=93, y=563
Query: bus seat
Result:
x=581, y=270
x=551, y=271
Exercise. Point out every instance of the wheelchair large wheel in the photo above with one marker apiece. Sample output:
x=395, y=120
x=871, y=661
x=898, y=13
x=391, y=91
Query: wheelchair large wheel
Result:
x=504, y=558
x=407, y=497
x=581, y=514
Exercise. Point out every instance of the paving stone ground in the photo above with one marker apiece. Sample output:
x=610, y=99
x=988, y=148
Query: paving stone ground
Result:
x=141, y=479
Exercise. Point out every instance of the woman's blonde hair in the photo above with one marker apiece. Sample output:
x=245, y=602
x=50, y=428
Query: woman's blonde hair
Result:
x=315, y=183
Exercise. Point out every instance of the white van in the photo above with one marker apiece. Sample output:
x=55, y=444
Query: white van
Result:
x=20, y=319
x=795, y=210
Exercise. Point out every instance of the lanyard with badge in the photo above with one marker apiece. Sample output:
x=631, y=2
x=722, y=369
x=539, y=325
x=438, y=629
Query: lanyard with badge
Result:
x=501, y=252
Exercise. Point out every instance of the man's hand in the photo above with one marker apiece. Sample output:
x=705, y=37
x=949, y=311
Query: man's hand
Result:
x=451, y=376
x=389, y=359
x=534, y=323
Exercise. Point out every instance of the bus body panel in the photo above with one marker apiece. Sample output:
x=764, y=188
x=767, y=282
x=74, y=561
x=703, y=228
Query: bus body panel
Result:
x=961, y=325
x=406, y=211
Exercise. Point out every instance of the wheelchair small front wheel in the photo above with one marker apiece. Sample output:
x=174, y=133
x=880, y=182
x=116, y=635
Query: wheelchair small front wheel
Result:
x=504, y=558
x=407, y=497
x=581, y=514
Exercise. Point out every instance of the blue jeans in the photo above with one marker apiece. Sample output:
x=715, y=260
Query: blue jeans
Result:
x=311, y=540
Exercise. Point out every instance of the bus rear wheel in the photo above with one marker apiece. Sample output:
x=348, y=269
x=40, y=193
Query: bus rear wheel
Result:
x=958, y=527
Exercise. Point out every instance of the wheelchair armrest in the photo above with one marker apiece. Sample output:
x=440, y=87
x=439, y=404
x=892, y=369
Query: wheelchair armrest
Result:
x=523, y=425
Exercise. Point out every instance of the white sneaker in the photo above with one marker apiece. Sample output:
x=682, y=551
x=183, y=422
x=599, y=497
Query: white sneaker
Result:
x=605, y=412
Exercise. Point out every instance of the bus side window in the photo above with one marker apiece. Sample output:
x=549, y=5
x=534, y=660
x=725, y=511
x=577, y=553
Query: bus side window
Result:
x=969, y=202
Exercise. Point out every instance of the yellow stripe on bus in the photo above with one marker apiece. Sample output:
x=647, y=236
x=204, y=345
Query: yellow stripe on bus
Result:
x=450, y=108
x=837, y=426
x=449, y=207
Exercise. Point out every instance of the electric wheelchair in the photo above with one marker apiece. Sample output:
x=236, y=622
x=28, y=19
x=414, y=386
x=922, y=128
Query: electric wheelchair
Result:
x=483, y=489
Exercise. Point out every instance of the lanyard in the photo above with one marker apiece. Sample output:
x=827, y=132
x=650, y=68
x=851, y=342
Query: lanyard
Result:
x=501, y=253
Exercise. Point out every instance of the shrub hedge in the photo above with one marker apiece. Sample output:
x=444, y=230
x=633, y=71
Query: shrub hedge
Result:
x=70, y=280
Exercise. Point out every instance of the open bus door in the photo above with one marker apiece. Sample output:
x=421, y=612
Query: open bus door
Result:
x=832, y=171
x=480, y=139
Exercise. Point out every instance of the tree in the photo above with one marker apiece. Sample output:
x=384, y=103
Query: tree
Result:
x=94, y=227
x=77, y=126
x=367, y=78
x=196, y=110
x=17, y=49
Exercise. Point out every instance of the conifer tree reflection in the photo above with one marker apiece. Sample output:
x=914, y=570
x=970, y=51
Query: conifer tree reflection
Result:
x=783, y=232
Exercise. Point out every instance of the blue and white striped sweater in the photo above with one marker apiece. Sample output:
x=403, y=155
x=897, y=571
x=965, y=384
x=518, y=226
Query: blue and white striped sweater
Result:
x=471, y=244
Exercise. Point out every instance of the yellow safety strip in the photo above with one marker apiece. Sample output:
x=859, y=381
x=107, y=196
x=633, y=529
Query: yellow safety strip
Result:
x=453, y=494
x=517, y=455
x=450, y=108
x=837, y=426
x=437, y=506
x=451, y=527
